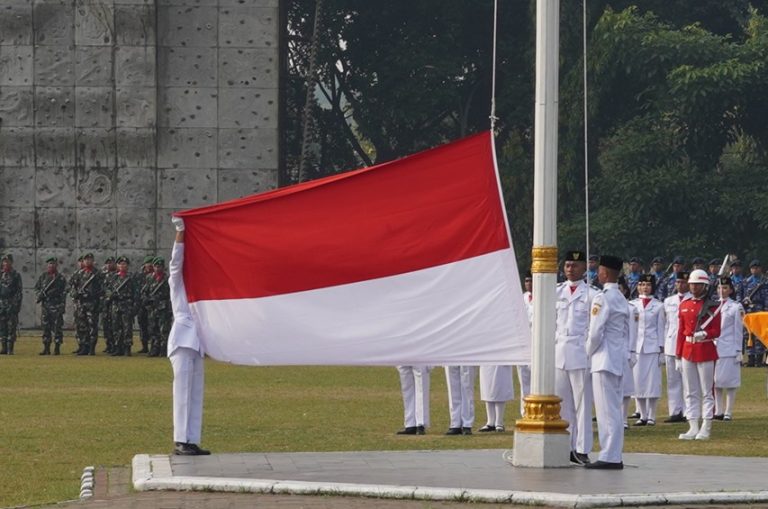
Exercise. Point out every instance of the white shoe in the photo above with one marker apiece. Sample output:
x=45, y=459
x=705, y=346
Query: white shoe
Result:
x=692, y=432
x=706, y=427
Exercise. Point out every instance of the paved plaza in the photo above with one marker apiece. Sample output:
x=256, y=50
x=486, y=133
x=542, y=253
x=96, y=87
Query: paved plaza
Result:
x=461, y=475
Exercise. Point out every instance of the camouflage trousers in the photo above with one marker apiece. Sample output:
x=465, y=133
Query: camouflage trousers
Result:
x=143, y=318
x=122, y=323
x=160, y=322
x=52, y=321
x=106, y=326
x=87, y=324
x=9, y=321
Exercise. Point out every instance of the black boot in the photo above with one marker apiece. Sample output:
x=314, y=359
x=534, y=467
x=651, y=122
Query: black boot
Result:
x=127, y=351
x=144, y=348
x=4, y=351
x=10, y=347
x=83, y=349
x=46, y=349
x=57, y=349
x=117, y=351
x=751, y=361
x=92, y=349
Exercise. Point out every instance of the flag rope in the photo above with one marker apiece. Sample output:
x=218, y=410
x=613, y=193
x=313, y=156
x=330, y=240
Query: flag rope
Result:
x=493, y=66
x=586, y=132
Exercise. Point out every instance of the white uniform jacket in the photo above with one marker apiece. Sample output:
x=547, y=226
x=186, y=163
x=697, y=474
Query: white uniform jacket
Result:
x=671, y=307
x=528, y=301
x=572, y=325
x=650, y=326
x=183, y=332
x=731, y=329
x=608, y=339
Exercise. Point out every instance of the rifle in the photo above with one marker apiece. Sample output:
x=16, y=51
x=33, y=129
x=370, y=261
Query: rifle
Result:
x=43, y=293
x=708, y=304
x=747, y=301
x=81, y=290
x=127, y=278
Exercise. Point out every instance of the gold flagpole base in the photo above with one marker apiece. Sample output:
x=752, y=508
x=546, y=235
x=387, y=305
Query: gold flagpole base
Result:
x=542, y=415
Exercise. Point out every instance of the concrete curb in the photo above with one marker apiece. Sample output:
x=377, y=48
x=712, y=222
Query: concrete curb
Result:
x=153, y=473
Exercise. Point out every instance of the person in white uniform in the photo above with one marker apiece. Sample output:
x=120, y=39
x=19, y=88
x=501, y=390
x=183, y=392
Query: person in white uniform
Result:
x=608, y=350
x=496, y=388
x=186, y=353
x=414, y=385
x=573, y=380
x=461, y=398
x=628, y=382
x=524, y=370
x=728, y=365
x=675, y=402
x=650, y=349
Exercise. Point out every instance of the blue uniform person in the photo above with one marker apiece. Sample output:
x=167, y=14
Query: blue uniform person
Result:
x=635, y=271
x=754, y=298
x=737, y=278
x=658, y=272
x=678, y=265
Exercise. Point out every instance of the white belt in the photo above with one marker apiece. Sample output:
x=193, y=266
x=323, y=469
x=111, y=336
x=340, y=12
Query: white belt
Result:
x=691, y=339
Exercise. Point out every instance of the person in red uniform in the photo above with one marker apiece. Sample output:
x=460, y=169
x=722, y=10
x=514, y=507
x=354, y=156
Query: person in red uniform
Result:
x=696, y=353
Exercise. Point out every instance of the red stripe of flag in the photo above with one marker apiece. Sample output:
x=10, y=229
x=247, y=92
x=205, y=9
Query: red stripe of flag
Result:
x=432, y=208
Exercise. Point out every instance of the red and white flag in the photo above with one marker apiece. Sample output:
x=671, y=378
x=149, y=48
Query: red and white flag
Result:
x=407, y=262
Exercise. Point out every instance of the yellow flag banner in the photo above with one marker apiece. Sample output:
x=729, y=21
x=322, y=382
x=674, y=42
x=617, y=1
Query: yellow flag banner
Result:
x=757, y=325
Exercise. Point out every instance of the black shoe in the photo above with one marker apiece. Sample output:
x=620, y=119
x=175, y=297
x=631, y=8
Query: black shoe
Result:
x=466, y=431
x=678, y=417
x=636, y=415
x=486, y=429
x=183, y=449
x=718, y=417
x=575, y=458
x=420, y=430
x=640, y=422
x=410, y=430
x=57, y=349
x=605, y=465
x=82, y=351
x=583, y=457
x=143, y=350
x=453, y=431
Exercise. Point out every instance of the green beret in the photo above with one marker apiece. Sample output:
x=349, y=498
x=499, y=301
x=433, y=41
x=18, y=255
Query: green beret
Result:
x=109, y=259
x=159, y=260
x=52, y=259
x=80, y=258
x=88, y=255
x=7, y=256
x=148, y=259
x=121, y=259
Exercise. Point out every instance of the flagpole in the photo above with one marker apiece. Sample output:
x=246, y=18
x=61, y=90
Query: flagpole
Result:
x=541, y=439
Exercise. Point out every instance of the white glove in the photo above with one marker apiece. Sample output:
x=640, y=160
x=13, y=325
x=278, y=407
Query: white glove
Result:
x=738, y=358
x=678, y=365
x=698, y=336
x=178, y=223
x=632, y=359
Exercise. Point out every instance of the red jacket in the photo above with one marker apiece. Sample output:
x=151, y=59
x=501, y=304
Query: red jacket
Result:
x=702, y=351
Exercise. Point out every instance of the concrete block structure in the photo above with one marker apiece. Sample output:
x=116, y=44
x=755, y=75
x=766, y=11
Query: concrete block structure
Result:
x=115, y=113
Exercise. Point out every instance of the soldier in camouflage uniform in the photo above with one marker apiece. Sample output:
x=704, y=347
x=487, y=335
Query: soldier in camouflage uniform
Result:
x=158, y=295
x=10, y=304
x=109, y=269
x=144, y=309
x=123, y=294
x=87, y=290
x=76, y=310
x=51, y=290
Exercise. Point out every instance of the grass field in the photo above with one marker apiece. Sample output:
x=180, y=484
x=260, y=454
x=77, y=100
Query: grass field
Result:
x=60, y=414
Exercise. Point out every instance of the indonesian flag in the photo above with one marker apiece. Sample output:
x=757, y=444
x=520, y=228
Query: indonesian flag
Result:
x=404, y=263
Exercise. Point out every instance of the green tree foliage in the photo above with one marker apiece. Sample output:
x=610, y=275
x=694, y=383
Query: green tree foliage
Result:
x=677, y=146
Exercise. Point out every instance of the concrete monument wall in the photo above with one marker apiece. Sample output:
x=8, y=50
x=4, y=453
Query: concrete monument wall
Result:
x=115, y=113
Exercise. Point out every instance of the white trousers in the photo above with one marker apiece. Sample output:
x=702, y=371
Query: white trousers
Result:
x=608, y=394
x=675, y=400
x=495, y=412
x=698, y=383
x=729, y=395
x=524, y=377
x=461, y=395
x=414, y=384
x=574, y=387
x=188, y=377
